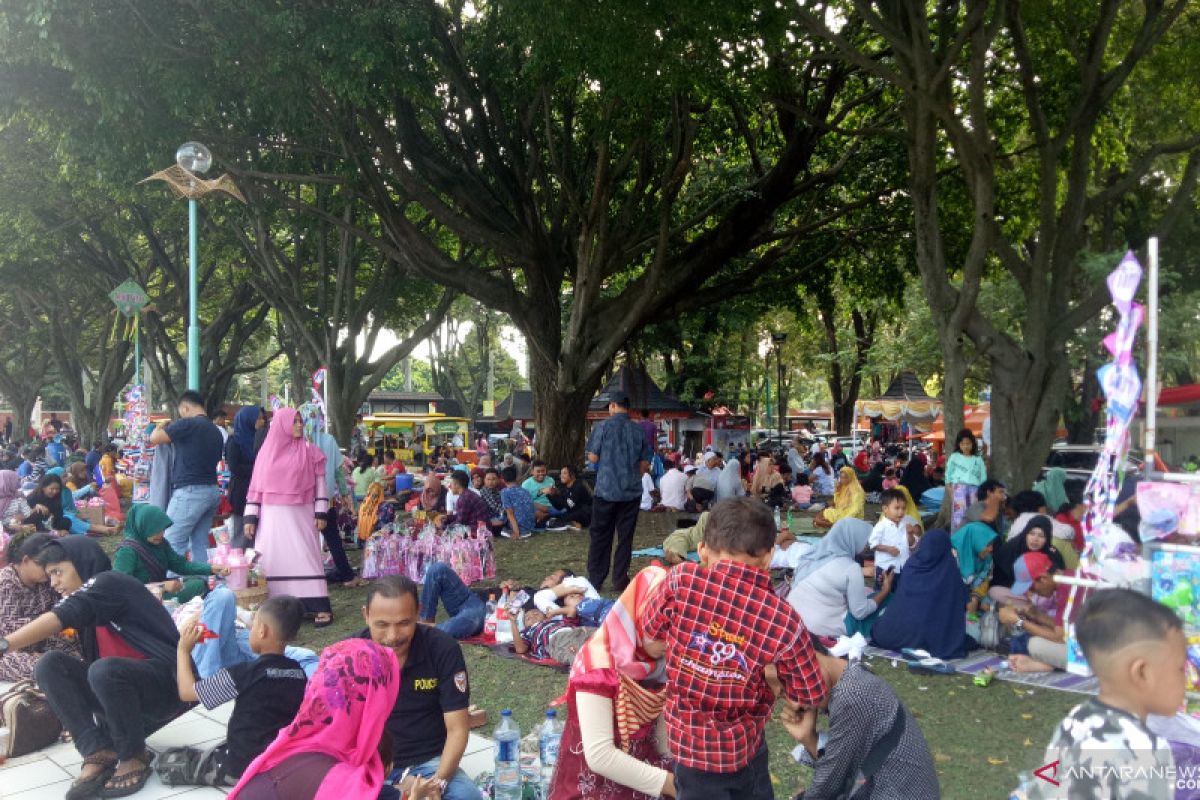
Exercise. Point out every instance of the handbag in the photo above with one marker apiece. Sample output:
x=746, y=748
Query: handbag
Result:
x=30, y=720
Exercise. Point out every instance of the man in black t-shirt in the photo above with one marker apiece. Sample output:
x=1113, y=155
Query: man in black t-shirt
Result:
x=194, y=493
x=124, y=688
x=267, y=692
x=428, y=725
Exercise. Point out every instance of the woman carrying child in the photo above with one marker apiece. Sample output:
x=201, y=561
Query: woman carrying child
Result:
x=613, y=746
x=928, y=610
x=972, y=545
x=1036, y=538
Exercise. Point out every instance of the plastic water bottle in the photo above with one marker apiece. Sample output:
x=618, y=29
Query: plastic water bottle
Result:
x=548, y=742
x=508, y=758
x=777, y=520
x=490, y=618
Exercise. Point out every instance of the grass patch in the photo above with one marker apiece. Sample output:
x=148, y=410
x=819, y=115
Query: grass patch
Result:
x=981, y=738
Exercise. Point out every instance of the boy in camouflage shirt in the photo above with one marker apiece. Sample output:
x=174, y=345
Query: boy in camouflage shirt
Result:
x=1103, y=749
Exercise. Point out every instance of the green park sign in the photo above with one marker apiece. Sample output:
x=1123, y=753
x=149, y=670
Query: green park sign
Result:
x=129, y=298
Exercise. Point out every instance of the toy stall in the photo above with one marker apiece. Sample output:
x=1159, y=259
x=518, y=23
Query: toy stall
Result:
x=1167, y=563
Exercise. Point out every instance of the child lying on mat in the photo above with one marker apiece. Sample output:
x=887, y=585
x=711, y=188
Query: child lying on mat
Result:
x=545, y=638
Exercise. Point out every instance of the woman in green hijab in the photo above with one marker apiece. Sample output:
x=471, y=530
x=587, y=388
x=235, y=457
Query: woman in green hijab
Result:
x=1053, y=487
x=973, y=544
x=145, y=555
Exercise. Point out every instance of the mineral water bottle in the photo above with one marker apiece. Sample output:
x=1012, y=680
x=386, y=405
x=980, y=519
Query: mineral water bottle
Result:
x=489, y=621
x=508, y=758
x=548, y=741
x=777, y=520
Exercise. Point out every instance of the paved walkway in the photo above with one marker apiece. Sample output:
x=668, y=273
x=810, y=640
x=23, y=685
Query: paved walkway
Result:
x=47, y=774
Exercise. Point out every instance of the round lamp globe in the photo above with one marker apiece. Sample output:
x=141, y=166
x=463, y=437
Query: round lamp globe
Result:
x=194, y=157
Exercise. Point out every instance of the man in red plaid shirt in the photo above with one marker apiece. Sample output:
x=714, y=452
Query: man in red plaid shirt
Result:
x=723, y=624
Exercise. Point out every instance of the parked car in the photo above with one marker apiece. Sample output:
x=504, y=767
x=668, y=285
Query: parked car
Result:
x=1079, y=460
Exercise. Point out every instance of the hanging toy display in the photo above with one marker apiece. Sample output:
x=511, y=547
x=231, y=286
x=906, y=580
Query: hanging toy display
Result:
x=138, y=452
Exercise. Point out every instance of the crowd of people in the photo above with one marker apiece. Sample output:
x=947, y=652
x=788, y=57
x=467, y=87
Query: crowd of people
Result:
x=672, y=677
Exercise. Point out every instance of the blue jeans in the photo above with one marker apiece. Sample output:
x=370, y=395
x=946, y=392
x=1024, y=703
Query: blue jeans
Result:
x=233, y=645
x=467, y=612
x=461, y=787
x=592, y=612
x=192, y=509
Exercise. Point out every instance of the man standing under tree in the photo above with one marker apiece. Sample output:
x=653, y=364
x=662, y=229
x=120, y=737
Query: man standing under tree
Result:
x=195, y=495
x=619, y=449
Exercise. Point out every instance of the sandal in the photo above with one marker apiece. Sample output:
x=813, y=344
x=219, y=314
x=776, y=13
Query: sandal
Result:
x=84, y=788
x=323, y=620
x=131, y=782
x=355, y=583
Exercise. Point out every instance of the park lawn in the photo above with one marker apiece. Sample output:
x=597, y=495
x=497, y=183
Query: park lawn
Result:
x=981, y=738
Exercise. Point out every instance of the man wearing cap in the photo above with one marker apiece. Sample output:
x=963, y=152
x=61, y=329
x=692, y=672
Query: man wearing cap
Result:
x=619, y=448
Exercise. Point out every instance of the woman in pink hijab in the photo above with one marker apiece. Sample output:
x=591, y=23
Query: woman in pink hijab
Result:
x=331, y=749
x=285, y=509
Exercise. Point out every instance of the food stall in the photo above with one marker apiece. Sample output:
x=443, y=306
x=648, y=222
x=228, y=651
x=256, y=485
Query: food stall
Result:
x=419, y=433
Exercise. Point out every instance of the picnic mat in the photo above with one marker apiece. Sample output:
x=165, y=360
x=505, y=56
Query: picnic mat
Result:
x=978, y=660
x=657, y=552
x=507, y=651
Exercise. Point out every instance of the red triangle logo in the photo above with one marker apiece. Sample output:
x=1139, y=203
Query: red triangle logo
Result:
x=1051, y=768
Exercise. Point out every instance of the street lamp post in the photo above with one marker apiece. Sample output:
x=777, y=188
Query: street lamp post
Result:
x=193, y=159
x=778, y=338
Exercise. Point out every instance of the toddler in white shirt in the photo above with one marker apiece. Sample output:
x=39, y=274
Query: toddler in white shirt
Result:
x=889, y=537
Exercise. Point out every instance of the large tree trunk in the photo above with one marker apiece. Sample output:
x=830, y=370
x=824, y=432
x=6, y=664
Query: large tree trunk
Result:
x=1083, y=412
x=952, y=406
x=561, y=417
x=342, y=408
x=1026, y=406
x=21, y=396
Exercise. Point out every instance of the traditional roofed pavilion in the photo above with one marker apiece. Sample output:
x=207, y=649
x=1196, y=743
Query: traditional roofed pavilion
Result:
x=517, y=406
x=905, y=401
x=644, y=395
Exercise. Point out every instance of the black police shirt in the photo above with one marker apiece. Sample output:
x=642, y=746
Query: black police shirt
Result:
x=433, y=682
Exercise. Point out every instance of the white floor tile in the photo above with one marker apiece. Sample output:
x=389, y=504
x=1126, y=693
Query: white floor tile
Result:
x=28, y=758
x=477, y=743
x=62, y=753
x=220, y=714
x=186, y=734
x=477, y=763
x=31, y=776
x=51, y=791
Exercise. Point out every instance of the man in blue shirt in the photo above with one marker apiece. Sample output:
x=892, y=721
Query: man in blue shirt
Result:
x=619, y=447
x=519, y=517
x=194, y=495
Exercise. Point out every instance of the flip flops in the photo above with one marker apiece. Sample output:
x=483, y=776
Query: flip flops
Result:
x=131, y=782
x=84, y=788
